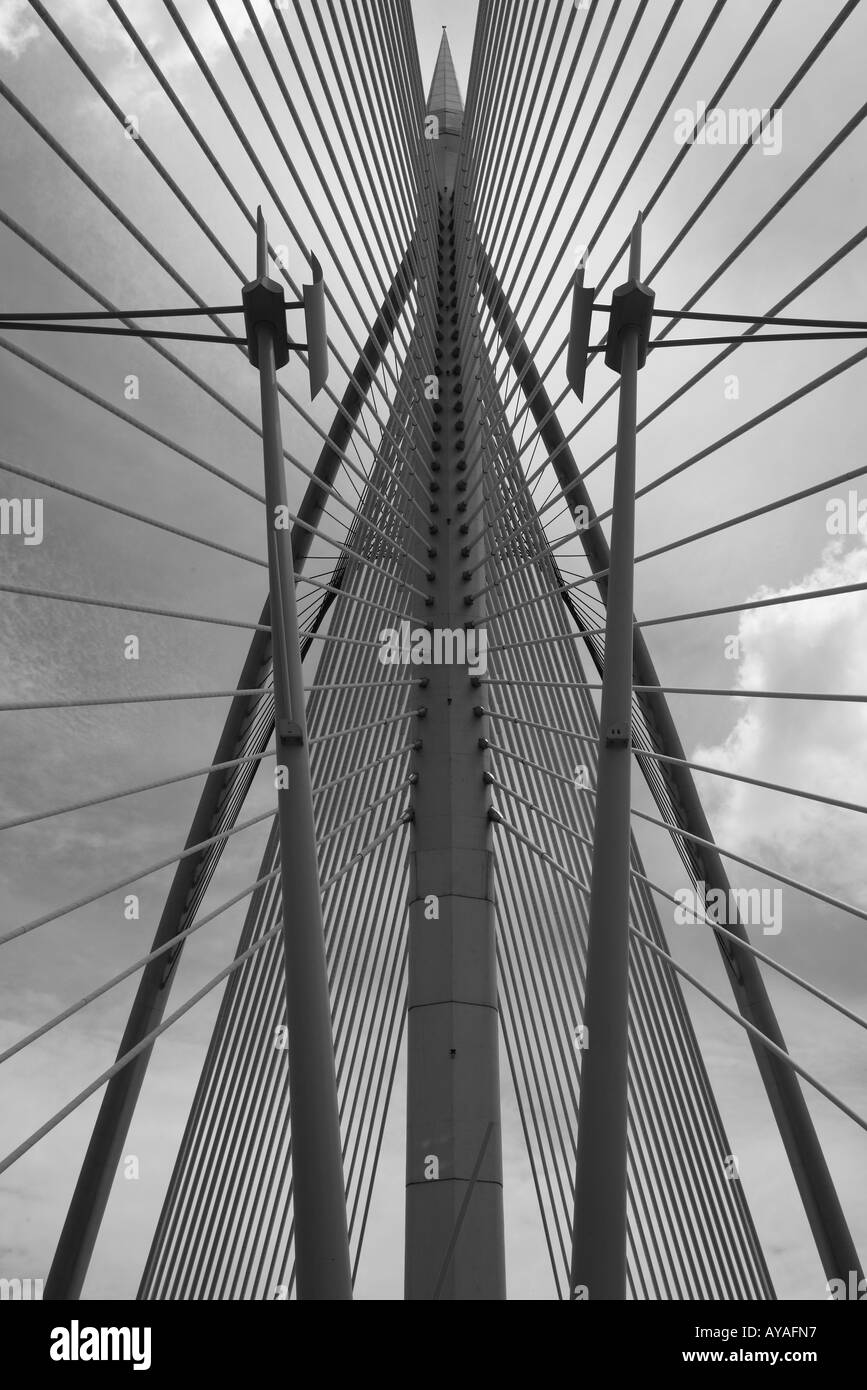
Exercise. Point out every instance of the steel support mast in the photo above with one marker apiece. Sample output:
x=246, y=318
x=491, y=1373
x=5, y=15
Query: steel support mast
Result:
x=319, y=1193
x=599, y=1232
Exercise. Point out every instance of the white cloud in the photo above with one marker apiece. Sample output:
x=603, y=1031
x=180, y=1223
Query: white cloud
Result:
x=17, y=27
x=96, y=30
x=208, y=36
x=817, y=645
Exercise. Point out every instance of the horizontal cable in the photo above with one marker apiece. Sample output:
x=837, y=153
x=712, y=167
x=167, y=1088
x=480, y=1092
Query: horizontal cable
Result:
x=125, y=883
x=528, y=762
x=793, y=398
x=169, y=945
x=350, y=863
x=751, y=1029
x=688, y=463
x=357, y=470
x=371, y=806
x=752, y=781
x=131, y=333
x=362, y=728
x=130, y=607
x=354, y=598
x=175, y=361
x=682, y=690
x=770, y=320
x=340, y=638
x=680, y=762
x=832, y=592
x=134, y=313
x=749, y=424
x=135, y=791
x=129, y=700
x=825, y=154
x=365, y=767
x=795, y=293
x=816, y=893
x=124, y=415
x=498, y=819
x=707, y=531
x=685, y=617
x=125, y=511
x=151, y=1037
x=742, y=341
x=581, y=737
x=363, y=685
x=364, y=559
x=752, y=515
x=146, y=1042
x=546, y=815
x=702, y=919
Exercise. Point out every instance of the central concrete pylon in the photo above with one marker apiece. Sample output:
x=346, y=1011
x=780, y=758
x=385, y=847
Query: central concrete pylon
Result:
x=454, y=1207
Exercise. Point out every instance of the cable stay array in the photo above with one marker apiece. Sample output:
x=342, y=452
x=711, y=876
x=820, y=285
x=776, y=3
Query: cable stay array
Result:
x=416, y=741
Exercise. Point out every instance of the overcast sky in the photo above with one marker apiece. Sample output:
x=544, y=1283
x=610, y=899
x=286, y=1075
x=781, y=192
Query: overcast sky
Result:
x=54, y=650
